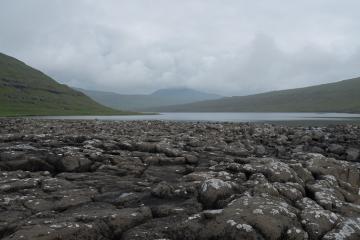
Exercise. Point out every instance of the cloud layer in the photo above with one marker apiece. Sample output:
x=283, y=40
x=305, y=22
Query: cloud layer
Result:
x=231, y=47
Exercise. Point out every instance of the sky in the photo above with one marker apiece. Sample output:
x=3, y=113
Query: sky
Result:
x=229, y=47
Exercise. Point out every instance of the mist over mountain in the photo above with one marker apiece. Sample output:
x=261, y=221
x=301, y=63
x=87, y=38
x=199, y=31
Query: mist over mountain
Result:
x=139, y=102
x=238, y=48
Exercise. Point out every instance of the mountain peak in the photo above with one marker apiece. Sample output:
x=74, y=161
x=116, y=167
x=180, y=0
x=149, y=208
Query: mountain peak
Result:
x=342, y=96
x=161, y=97
x=184, y=91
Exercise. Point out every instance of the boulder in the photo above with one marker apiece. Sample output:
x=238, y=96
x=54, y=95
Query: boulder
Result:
x=119, y=198
x=318, y=222
x=191, y=159
x=352, y=154
x=257, y=218
x=27, y=164
x=65, y=230
x=319, y=165
x=348, y=229
x=74, y=164
x=326, y=194
x=336, y=148
x=213, y=190
x=260, y=150
x=273, y=169
x=163, y=190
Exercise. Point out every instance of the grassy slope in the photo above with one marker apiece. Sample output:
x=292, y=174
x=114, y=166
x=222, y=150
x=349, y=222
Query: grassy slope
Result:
x=341, y=96
x=27, y=91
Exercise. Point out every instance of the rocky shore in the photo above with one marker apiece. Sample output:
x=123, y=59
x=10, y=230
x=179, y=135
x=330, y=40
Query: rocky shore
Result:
x=174, y=180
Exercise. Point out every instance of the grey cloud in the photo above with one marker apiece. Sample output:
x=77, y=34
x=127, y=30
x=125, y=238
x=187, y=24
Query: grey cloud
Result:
x=230, y=47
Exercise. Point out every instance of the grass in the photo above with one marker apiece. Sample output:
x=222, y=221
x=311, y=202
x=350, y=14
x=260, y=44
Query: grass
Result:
x=343, y=96
x=25, y=91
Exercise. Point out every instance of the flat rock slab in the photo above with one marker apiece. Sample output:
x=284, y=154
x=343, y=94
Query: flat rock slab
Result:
x=110, y=180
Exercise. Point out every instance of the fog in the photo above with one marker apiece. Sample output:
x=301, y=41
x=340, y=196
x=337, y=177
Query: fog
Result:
x=230, y=47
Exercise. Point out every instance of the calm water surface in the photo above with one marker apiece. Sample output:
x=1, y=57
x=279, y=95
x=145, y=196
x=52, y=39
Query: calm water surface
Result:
x=225, y=117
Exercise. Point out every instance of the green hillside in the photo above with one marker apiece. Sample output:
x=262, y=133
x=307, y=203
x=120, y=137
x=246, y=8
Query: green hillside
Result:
x=27, y=91
x=343, y=96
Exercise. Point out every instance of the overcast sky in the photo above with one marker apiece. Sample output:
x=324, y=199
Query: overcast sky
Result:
x=231, y=47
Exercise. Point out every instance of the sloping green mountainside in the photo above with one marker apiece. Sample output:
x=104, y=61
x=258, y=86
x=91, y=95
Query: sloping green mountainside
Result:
x=343, y=96
x=27, y=91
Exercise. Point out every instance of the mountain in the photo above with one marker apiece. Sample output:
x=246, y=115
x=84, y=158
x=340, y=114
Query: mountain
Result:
x=181, y=93
x=162, y=97
x=343, y=96
x=27, y=91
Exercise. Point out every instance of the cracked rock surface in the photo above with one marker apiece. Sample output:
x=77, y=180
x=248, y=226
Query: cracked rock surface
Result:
x=127, y=180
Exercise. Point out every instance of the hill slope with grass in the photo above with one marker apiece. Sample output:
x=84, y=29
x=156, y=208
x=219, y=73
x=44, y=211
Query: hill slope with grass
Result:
x=27, y=91
x=139, y=102
x=343, y=96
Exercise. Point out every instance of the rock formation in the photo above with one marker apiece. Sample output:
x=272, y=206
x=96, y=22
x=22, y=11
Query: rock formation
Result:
x=177, y=180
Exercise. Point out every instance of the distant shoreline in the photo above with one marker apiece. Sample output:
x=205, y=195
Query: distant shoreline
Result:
x=289, y=119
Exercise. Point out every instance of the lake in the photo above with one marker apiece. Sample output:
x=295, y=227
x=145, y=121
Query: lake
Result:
x=229, y=117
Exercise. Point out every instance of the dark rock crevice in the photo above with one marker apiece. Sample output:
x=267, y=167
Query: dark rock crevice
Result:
x=176, y=180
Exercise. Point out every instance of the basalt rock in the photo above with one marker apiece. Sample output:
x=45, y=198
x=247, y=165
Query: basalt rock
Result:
x=62, y=179
x=213, y=190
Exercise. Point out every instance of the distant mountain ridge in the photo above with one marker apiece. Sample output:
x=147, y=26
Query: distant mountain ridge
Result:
x=140, y=102
x=27, y=91
x=185, y=92
x=343, y=96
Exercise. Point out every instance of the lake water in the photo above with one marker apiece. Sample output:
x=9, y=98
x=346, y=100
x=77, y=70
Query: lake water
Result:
x=227, y=117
